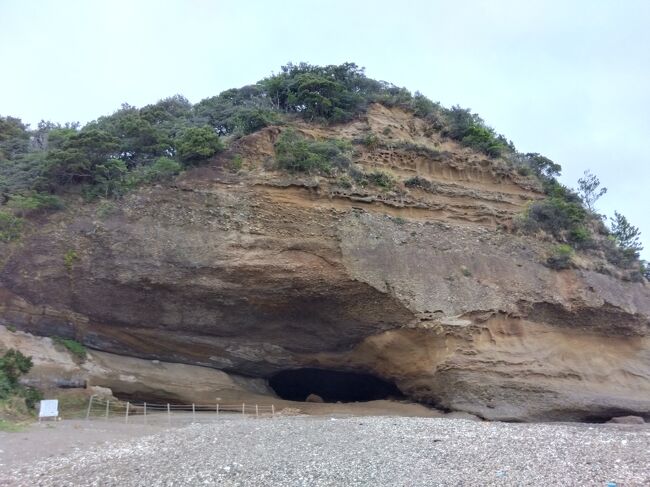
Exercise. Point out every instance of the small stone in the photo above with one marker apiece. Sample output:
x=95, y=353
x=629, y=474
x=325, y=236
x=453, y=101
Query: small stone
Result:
x=314, y=398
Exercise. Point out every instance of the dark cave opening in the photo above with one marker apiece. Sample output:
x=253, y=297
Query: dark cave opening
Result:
x=332, y=385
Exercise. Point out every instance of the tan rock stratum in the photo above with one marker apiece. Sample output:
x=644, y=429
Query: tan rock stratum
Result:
x=259, y=271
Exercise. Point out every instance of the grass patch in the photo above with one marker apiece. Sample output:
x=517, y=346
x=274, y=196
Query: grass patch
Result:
x=73, y=346
x=11, y=426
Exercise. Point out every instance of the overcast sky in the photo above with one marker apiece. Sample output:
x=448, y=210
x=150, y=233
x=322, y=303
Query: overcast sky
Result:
x=568, y=79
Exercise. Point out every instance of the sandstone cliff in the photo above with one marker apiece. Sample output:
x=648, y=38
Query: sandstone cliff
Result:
x=256, y=271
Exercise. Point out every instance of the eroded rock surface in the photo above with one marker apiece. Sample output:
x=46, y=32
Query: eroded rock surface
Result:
x=259, y=271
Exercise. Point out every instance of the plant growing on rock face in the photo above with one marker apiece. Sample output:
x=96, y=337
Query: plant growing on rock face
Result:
x=561, y=257
x=371, y=141
x=418, y=182
x=296, y=153
x=10, y=226
x=381, y=179
x=69, y=259
x=34, y=203
x=74, y=347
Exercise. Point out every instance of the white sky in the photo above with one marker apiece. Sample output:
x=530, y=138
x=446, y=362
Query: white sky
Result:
x=569, y=79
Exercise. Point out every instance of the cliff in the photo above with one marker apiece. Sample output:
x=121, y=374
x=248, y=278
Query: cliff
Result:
x=254, y=271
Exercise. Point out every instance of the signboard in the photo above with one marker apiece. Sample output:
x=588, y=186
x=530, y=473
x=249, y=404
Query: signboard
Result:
x=49, y=409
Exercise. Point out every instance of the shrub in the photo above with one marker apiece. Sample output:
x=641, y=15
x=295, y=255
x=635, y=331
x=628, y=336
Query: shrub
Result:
x=560, y=258
x=420, y=150
x=382, y=179
x=418, y=182
x=371, y=141
x=162, y=169
x=345, y=182
x=236, y=163
x=14, y=364
x=644, y=269
x=249, y=121
x=295, y=153
x=105, y=209
x=558, y=216
x=471, y=131
x=69, y=259
x=580, y=236
x=73, y=346
x=10, y=226
x=34, y=203
x=31, y=395
x=197, y=144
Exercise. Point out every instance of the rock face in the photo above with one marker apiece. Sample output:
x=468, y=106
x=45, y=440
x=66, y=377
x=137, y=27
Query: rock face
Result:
x=257, y=272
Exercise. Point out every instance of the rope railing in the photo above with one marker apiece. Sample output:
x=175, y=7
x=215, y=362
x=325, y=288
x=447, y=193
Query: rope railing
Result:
x=102, y=408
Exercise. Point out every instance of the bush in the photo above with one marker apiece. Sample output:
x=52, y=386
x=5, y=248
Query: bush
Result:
x=345, y=182
x=471, y=131
x=249, y=121
x=10, y=226
x=14, y=364
x=35, y=203
x=580, y=236
x=295, y=153
x=555, y=215
x=163, y=169
x=371, y=141
x=418, y=182
x=560, y=258
x=69, y=259
x=73, y=346
x=236, y=163
x=197, y=144
x=382, y=179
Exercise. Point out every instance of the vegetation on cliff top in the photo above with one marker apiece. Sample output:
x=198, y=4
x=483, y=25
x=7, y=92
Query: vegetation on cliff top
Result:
x=134, y=146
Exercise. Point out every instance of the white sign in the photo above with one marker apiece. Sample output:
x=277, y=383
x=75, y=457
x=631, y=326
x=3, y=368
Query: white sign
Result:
x=49, y=408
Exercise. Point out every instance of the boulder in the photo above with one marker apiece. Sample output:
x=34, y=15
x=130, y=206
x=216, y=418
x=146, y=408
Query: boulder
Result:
x=314, y=398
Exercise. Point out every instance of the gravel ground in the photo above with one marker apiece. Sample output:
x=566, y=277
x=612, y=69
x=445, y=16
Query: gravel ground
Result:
x=308, y=451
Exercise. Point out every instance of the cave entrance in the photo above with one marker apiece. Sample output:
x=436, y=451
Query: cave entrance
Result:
x=331, y=385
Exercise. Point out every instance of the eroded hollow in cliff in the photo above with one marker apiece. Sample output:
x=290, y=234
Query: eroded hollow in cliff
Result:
x=331, y=385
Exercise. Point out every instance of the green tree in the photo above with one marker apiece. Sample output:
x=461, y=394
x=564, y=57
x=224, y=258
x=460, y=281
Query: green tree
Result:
x=14, y=138
x=542, y=166
x=589, y=190
x=197, y=144
x=108, y=178
x=626, y=234
x=79, y=155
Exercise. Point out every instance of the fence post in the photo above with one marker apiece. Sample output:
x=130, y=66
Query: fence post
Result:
x=108, y=402
x=257, y=413
x=193, y=413
x=272, y=410
x=145, y=413
x=243, y=409
x=126, y=418
x=90, y=403
x=169, y=415
x=217, y=409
